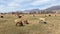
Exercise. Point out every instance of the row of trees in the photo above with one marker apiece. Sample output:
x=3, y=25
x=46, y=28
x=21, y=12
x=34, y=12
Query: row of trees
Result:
x=33, y=12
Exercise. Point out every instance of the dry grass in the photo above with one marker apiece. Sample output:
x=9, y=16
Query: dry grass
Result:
x=7, y=25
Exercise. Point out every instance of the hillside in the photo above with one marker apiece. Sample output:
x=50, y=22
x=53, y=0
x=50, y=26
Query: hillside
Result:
x=54, y=8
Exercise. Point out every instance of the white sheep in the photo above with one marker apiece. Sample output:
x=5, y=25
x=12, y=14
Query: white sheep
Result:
x=42, y=19
x=17, y=20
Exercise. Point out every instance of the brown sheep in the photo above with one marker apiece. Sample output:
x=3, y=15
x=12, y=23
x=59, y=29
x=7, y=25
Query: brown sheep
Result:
x=20, y=23
x=49, y=15
x=26, y=21
x=19, y=16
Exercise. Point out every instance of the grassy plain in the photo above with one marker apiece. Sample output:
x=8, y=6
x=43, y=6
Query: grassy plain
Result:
x=7, y=25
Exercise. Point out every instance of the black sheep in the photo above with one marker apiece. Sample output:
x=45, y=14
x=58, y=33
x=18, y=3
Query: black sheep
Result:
x=2, y=16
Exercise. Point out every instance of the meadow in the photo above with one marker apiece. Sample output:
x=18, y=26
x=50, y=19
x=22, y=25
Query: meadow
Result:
x=7, y=25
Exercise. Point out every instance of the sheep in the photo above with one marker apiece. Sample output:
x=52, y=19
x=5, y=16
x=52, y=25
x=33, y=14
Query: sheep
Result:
x=43, y=20
x=2, y=16
x=19, y=16
x=49, y=15
x=26, y=21
x=19, y=21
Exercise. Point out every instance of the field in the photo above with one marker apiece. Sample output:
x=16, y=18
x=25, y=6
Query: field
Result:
x=7, y=25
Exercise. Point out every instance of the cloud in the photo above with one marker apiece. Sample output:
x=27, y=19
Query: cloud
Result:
x=13, y=4
x=40, y=2
x=17, y=5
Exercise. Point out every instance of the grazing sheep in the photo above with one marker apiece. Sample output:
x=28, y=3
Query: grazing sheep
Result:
x=19, y=16
x=49, y=15
x=2, y=16
x=19, y=21
x=45, y=22
x=26, y=21
x=42, y=20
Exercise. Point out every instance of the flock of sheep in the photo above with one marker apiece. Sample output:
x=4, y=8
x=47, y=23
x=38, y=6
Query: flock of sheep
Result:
x=20, y=22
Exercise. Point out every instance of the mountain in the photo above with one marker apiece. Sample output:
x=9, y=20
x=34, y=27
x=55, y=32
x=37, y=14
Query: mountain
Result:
x=54, y=8
x=32, y=10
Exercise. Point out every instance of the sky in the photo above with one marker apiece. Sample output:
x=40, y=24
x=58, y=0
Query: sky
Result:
x=18, y=5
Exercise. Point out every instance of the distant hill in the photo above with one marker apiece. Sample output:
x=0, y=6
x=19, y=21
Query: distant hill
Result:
x=32, y=10
x=54, y=8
